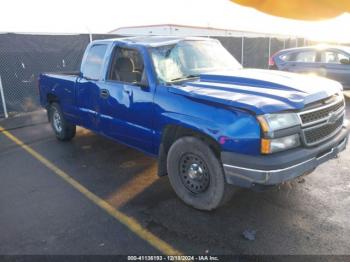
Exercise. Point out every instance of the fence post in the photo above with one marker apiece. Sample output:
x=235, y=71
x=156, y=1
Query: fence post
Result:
x=269, y=52
x=90, y=35
x=3, y=99
x=242, y=53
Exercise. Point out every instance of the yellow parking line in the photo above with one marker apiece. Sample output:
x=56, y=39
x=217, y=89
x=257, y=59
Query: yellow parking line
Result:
x=134, y=187
x=127, y=221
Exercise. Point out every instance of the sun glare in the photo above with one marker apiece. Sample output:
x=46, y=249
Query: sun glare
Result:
x=222, y=14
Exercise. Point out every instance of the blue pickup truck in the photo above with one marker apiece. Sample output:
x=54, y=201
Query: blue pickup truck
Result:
x=210, y=123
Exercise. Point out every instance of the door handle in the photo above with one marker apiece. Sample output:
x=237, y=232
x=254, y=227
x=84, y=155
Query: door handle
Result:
x=104, y=93
x=127, y=90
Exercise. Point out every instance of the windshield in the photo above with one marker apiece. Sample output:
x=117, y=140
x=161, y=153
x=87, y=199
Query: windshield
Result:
x=191, y=58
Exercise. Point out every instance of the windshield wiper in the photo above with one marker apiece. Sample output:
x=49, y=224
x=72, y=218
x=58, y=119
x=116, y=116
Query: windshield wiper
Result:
x=185, y=77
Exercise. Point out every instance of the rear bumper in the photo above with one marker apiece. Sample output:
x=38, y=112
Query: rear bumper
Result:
x=249, y=171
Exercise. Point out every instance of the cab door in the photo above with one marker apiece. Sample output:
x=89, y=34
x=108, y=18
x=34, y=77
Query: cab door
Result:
x=127, y=107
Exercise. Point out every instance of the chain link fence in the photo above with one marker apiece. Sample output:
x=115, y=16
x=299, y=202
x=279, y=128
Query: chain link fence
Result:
x=254, y=52
x=24, y=56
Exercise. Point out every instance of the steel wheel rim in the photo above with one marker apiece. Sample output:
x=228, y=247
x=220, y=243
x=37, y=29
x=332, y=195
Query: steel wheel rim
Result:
x=194, y=173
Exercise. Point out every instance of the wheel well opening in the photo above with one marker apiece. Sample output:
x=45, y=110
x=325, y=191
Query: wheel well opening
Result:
x=171, y=134
x=51, y=98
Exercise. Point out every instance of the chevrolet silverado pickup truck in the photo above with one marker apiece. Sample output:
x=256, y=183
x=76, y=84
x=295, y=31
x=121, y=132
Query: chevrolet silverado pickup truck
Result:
x=211, y=124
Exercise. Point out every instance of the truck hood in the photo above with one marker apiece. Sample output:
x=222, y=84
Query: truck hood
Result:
x=259, y=91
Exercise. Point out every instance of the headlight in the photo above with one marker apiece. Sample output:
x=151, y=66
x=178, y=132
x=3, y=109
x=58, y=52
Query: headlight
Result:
x=273, y=122
x=269, y=146
x=274, y=139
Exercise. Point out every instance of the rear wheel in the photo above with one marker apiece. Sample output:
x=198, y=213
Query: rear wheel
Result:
x=197, y=175
x=64, y=130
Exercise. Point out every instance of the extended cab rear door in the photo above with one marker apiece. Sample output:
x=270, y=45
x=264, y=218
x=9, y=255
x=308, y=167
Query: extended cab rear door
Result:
x=88, y=86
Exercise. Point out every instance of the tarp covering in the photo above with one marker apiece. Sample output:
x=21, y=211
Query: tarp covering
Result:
x=24, y=57
x=233, y=45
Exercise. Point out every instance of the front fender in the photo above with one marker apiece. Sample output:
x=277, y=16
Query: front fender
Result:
x=234, y=131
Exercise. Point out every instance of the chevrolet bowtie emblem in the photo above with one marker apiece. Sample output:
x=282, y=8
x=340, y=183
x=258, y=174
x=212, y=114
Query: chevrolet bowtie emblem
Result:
x=332, y=118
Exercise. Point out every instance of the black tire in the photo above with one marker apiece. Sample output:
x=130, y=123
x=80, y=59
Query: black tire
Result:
x=64, y=130
x=187, y=154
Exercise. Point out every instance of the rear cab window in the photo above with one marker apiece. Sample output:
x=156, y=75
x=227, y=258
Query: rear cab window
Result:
x=94, y=62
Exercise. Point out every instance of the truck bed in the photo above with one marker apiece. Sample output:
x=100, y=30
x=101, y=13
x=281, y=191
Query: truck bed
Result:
x=58, y=84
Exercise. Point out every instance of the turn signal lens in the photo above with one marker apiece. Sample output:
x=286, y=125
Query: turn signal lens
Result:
x=265, y=146
x=269, y=146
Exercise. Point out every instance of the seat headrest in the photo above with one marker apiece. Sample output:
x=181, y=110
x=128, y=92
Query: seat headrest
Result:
x=125, y=64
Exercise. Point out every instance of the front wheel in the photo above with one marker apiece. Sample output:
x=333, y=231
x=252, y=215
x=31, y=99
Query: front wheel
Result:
x=64, y=130
x=196, y=174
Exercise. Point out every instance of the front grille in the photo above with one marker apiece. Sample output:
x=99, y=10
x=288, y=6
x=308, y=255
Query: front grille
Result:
x=322, y=122
x=320, y=133
x=313, y=116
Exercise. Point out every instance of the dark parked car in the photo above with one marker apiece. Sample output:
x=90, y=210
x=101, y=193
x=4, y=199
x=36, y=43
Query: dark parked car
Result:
x=329, y=61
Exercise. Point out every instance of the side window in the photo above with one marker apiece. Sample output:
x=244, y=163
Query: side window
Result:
x=343, y=56
x=332, y=57
x=127, y=66
x=94, y=61
x=286, y=57
x=306, y=56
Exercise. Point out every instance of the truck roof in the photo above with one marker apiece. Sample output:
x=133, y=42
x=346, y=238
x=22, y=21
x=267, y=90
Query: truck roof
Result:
x=153, y=41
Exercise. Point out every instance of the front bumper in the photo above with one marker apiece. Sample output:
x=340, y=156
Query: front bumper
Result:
x=250, y=171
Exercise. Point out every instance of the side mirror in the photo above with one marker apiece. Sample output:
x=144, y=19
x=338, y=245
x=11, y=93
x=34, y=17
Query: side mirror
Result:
x=345, y=61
